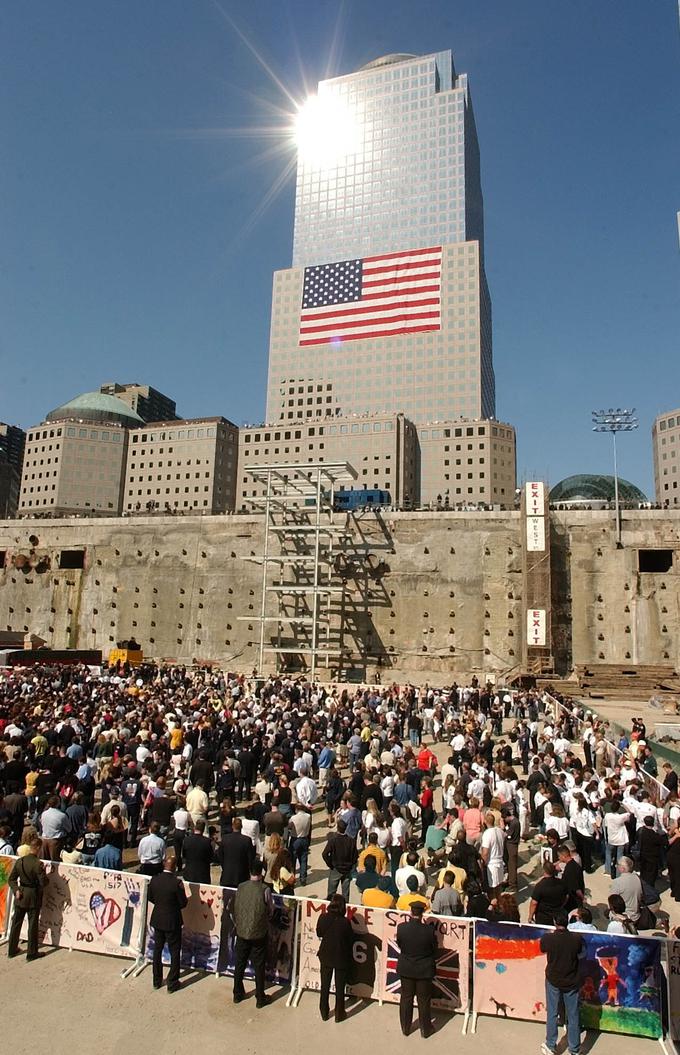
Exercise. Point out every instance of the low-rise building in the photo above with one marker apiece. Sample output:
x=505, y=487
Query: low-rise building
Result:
x=182, y=465
x=75, y=460
x=381, y=447
x=666, y=449
x=467, y=462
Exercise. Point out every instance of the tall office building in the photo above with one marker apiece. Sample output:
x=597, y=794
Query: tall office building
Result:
x=386, y=307
x=12, y=444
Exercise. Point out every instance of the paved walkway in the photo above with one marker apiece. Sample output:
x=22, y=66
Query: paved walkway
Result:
x=72, y=1001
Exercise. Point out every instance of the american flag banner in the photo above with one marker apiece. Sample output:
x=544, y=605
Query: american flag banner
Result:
x=377, y=296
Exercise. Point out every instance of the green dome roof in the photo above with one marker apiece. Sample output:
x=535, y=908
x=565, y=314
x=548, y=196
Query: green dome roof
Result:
x=96, y=406
x=592, y=488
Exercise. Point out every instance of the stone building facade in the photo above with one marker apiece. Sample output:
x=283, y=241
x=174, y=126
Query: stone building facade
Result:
x=182, y=465
x=441, y=596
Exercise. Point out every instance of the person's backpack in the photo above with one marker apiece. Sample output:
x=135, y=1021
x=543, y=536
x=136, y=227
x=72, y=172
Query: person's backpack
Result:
x=646, y=919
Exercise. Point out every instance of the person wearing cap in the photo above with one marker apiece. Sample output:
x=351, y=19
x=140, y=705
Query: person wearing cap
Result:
x=26, y=881
x=416, y=964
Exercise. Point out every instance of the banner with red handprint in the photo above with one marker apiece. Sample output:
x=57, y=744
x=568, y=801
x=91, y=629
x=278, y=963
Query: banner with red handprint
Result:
x=93, y=910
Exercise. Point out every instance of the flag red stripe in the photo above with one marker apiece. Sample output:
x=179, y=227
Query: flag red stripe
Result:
x=372, y=333
x=390, y=269
x=336, y=314
x=383, y=318
x=384, y=282
x=403, y=292
x=411, y=252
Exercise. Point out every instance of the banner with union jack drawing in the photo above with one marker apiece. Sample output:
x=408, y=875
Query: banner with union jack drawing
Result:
x=453, y=960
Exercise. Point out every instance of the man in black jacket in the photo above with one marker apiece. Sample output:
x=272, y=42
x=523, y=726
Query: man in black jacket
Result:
x=167, y=894
x=197, y=855
x=235, y=854
x=202, y=770
x=340, y=854
x=417, y=943
x=651, y=845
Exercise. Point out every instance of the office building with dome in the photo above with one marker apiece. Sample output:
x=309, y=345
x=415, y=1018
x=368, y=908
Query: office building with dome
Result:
x=74, y=461
x=96, y=456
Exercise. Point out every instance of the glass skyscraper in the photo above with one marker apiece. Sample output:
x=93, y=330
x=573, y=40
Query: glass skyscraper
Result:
x=396, y=170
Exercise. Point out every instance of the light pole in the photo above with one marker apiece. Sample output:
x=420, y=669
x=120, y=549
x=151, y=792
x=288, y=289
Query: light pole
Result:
x=615, y=421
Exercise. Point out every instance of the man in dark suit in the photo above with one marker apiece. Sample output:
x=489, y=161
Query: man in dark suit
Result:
x=198, y=855
x=26, y=881
x=168, y=897
x=235, y=854
x=417, y=943
x=651, y=845
x=202, y=770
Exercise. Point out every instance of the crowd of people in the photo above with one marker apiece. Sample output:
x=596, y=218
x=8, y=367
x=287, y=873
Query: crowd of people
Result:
x=426, y=796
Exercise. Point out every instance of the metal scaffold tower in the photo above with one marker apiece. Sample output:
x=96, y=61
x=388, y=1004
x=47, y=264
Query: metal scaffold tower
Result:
x=300, y=591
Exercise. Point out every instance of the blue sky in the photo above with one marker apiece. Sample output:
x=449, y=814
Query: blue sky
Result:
x=133, y=243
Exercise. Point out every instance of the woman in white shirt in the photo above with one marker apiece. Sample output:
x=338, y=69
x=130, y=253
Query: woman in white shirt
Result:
x=492, y=845
x=399, y=833
x=555, y=819
x=586, y=826
x=369, y=820
x=523, y=809
x=387, y=787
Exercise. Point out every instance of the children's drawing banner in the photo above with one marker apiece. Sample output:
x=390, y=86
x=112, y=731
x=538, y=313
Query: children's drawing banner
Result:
x=93, y=910
x=6, y=866
x=201, y=930
x=280, y=940
x=620, y=978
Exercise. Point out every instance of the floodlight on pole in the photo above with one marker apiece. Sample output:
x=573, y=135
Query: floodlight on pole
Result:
x=614, y=421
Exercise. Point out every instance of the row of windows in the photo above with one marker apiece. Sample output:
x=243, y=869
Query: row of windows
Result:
x=177, y=490
x=180, y=434
x=75, y=502
x=180, y=463
x=185, y=505
x=178, y=476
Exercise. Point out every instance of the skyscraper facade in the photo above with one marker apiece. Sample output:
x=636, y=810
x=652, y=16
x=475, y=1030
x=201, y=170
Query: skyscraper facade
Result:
x=386, y=305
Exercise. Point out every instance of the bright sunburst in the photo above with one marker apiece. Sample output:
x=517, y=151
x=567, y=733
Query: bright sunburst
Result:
x=318, y=129
x=325, y=130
